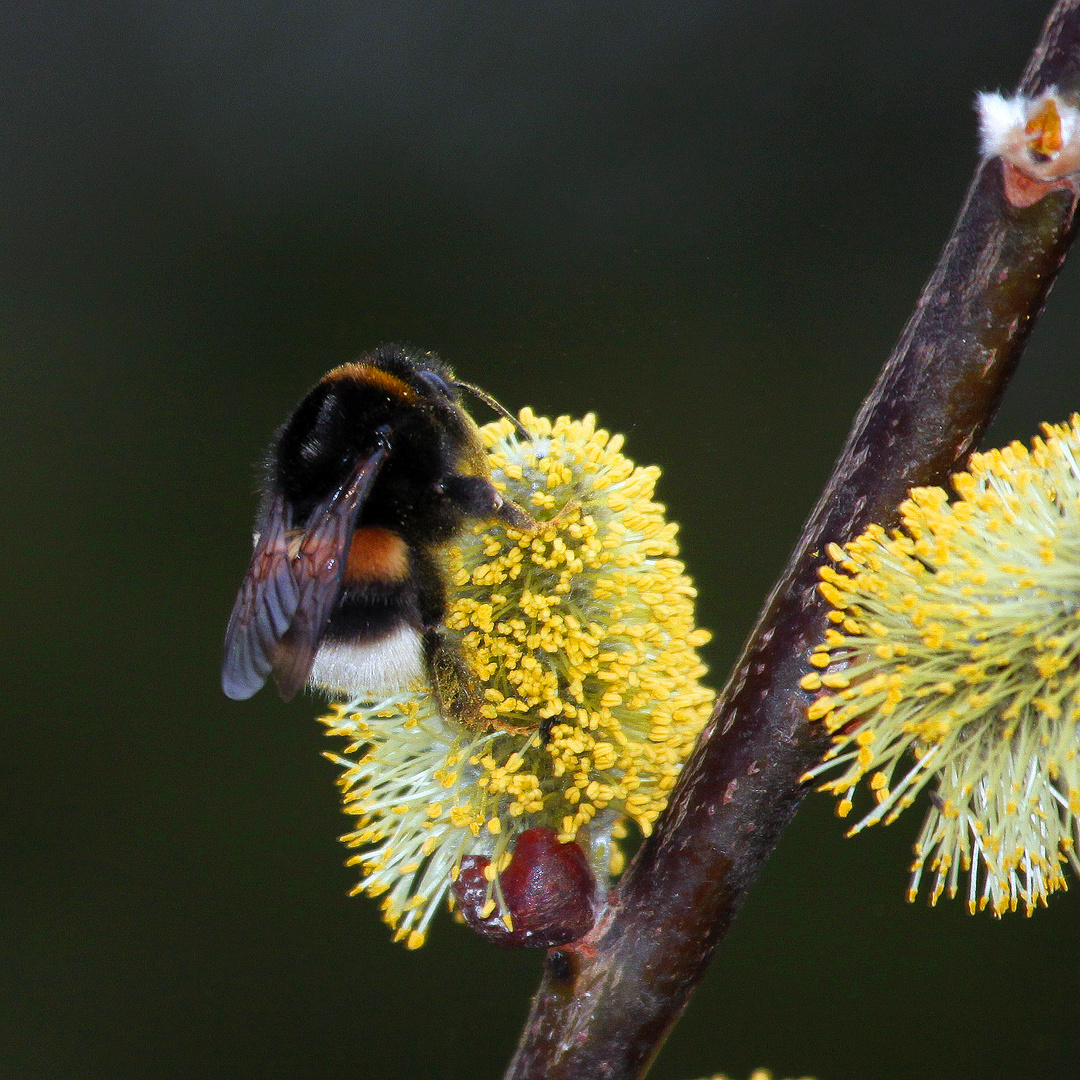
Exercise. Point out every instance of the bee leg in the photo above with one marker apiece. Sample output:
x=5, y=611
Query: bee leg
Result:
x=479, y=500
x=513, y=517
x=568, y=508
x=453, y=685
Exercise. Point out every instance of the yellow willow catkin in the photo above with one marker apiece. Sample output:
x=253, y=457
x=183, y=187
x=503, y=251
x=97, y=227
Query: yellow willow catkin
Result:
x=583, y=637
x=954, y=657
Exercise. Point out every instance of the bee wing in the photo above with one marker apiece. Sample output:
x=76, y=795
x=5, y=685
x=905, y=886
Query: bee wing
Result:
x=318, y=569
x=264, y=608
x=290, y=589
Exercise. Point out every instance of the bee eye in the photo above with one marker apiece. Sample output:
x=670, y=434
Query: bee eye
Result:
x=437, y=383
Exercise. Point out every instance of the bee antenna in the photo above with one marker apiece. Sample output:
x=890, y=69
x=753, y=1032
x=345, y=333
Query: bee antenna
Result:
x=491, y=403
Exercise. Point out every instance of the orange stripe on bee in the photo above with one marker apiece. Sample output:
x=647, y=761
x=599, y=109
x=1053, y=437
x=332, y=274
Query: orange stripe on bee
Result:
x=373, y=376
x=376, y=554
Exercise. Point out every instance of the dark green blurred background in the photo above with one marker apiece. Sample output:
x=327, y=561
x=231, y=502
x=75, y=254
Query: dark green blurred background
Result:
x=706, y=221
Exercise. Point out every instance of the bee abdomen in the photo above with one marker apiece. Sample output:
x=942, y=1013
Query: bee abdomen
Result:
x=376, y=555
x=377, y=666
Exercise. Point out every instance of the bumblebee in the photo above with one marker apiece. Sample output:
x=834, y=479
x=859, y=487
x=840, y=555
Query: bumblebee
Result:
x=377, y=467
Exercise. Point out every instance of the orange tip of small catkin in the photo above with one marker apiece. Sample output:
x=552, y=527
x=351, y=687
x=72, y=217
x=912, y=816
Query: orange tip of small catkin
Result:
x=1037, y=139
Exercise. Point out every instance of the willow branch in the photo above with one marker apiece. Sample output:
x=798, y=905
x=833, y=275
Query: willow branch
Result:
x=605, y=1004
